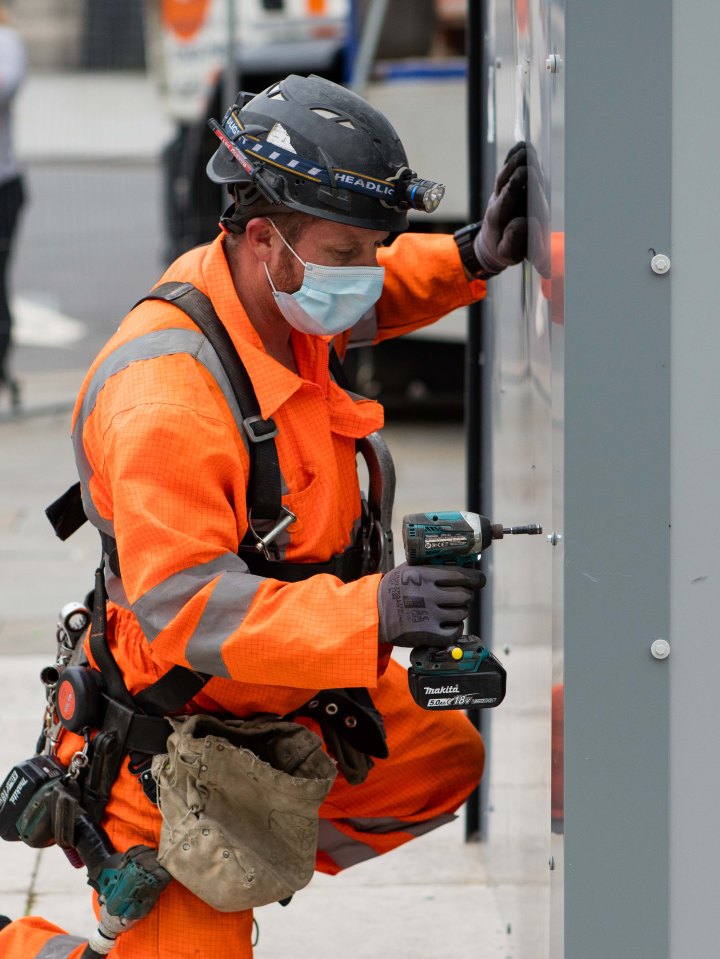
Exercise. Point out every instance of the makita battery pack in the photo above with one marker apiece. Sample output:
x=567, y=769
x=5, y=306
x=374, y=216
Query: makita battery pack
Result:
x=463, y=676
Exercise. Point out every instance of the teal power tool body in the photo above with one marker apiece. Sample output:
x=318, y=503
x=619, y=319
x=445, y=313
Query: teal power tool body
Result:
x=465, y=675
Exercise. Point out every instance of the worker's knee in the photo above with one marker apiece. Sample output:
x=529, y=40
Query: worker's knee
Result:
x=463, y=755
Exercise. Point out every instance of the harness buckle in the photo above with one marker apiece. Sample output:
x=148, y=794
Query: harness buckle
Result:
x=253, y=426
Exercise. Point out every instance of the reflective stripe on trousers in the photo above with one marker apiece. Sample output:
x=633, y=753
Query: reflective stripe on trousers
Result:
x=35, y=938
x=60, y=947
x=349, y=849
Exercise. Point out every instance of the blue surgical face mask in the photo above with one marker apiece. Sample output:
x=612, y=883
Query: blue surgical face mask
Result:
x=331, y=298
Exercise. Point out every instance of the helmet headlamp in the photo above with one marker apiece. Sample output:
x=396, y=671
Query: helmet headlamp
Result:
x=260, y=158
x=414, y=193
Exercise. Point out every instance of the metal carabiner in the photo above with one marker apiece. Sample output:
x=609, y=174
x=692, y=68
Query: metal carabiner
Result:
x=263, y=542
x=81, y=759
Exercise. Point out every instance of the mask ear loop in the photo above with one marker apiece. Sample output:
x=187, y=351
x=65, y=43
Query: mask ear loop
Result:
x=270, y=220
x=267, y=272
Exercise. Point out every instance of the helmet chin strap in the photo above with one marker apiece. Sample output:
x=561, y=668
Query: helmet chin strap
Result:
x=237, y=216
x=230, y=222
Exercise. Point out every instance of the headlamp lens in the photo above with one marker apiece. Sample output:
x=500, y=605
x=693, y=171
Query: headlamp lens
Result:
x=425, y=194
x=432, y=197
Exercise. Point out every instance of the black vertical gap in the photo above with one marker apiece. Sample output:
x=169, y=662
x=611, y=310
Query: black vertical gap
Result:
x=476, y=137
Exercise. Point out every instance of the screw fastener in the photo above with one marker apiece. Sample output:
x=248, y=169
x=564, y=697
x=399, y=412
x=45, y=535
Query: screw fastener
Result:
x=552, y=64
x=660, y=263
x=660, y=649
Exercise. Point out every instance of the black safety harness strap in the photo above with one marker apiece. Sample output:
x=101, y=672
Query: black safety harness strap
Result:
x=347, y=566
x=166, y=695
x=126, y=728
x=338, y=371
x=264, y=492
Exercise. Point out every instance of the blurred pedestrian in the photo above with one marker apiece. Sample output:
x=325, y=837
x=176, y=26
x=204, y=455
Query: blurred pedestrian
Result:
x=12, y=192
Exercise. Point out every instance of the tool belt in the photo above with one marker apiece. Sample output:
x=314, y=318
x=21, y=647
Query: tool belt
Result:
x=139, y=726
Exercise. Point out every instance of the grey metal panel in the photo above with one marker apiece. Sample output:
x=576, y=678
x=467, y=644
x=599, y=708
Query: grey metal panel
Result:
x=617, y=471
x=694, y=662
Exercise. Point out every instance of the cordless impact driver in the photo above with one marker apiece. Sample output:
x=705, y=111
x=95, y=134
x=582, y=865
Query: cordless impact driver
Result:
x=465, y=675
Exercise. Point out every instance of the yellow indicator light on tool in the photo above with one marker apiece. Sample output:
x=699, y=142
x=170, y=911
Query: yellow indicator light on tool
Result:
x=456, y=652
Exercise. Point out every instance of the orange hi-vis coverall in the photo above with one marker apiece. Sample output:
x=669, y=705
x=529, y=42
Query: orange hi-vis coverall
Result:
x=163, y=463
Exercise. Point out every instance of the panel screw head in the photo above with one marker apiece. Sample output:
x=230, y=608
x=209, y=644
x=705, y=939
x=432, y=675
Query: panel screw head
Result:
x=660, y=649
x=553, y=62
x=660, y=263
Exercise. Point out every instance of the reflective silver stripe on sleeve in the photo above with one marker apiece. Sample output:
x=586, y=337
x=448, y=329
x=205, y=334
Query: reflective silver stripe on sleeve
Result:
x=59, y=947
x=225, y=611
x=348, y=851
x=223, y=614
x=147, y=347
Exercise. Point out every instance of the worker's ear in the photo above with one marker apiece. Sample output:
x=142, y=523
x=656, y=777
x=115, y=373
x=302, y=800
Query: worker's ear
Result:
x=260, y=238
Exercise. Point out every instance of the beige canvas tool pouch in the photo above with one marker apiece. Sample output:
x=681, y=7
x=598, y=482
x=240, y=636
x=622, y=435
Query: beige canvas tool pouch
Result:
x=239, y=800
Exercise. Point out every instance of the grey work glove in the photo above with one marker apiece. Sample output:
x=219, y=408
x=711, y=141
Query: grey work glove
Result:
x=502, y=240
x=425, y=605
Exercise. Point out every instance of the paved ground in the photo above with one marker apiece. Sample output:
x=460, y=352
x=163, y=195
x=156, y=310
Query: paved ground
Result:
x=437, y=897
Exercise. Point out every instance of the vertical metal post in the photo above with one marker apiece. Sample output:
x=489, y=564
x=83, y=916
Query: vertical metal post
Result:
x=231, y=73
x=231, y=79
x=616, y=538
x=476, y=127
x=353, y=42
x=694, y=661
x=369, y=39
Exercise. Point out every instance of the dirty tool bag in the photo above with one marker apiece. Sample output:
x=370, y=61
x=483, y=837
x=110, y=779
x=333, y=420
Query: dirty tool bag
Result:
x=239, y=800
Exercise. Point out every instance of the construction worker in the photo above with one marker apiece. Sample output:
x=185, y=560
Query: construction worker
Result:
x=319, y=181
